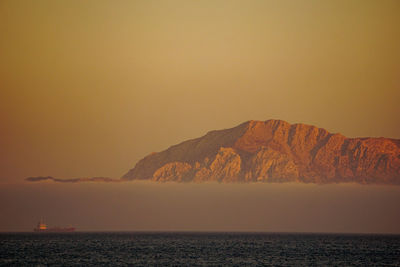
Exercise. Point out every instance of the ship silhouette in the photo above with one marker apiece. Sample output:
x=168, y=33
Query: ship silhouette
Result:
x=43, y=228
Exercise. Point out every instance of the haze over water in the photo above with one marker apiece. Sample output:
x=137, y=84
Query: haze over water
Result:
x=147, y=206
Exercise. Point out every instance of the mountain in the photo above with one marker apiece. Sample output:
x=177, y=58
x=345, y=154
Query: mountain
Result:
x=274, y=151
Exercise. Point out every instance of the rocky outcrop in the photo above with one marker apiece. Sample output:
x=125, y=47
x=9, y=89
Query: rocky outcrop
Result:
x=274, y=151
x=174, y=171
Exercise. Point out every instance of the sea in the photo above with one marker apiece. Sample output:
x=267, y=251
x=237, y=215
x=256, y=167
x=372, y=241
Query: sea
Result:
x=198, y=249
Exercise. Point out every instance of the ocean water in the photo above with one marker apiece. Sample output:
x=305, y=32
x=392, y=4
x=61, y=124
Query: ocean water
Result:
x=197, y=249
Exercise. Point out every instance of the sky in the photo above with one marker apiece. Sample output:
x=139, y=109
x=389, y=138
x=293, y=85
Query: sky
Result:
x=88, y=88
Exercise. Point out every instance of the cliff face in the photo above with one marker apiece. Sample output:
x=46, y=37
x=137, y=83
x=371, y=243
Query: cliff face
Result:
x=274, y=151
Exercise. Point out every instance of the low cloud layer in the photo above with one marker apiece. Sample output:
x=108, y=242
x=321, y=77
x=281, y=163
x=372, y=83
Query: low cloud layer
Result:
x=73, y=180
x=149, y=206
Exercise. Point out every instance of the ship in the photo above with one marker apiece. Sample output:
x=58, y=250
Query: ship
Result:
x=42, y=228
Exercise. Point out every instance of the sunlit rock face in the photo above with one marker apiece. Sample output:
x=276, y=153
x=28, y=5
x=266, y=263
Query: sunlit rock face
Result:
x=174, y=171
x=274, y=151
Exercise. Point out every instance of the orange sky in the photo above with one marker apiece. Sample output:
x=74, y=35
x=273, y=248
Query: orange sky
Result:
x=88, y=88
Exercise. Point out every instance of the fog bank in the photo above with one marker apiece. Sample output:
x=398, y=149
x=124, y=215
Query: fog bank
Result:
x=147, y=206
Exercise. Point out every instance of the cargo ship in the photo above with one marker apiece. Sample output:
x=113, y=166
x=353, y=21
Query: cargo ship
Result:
x=42, y=228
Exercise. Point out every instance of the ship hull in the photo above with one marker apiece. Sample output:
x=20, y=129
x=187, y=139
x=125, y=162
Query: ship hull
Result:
x=55, y=230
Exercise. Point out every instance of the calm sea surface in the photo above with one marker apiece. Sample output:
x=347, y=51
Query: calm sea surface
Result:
x=198, y=249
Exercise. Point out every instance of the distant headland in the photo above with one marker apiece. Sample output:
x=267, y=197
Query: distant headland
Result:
x=274, y=151
x=268, y=151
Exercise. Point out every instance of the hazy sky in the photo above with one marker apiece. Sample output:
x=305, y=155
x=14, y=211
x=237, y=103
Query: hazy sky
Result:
x=87, y=88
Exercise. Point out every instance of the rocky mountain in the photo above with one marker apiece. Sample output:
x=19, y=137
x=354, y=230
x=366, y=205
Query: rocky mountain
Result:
x=274, y=151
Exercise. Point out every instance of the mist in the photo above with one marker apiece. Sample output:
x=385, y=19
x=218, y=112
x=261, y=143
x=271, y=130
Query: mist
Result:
x=148, y=206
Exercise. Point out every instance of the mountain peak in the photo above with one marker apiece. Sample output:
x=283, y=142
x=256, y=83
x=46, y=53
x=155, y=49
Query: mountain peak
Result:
x=274, y=151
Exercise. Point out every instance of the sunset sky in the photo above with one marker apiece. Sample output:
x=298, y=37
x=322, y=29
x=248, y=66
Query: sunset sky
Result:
x=88, y=88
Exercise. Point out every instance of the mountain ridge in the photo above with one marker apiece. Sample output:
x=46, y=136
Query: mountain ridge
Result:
x=274, y=151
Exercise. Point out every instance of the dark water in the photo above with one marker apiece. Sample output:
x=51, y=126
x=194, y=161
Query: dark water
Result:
x=198, y=249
